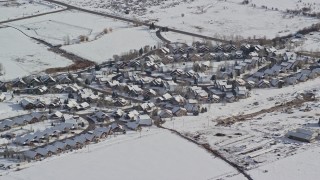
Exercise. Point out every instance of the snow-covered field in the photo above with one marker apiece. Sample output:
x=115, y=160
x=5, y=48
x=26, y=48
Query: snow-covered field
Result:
x=157, y=154
x=21, y=56
x=22, y=8
x=283, y=5
x=59, y=27
x=259, y=142
x=224, y=19
x=310, y=42
x=116, y=43
x=181, y=38
x=300, y=166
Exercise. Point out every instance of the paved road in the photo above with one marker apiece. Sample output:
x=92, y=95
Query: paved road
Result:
x=134, y=21
x=159, y=35
x=32, y=16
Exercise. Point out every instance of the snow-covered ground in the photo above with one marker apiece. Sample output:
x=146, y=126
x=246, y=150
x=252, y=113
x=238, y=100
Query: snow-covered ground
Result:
x=157, y=154
x=283, y=5
x=116, y=43
x=68, y=26
x=224, y=19
x=259, y=142
x=21, y=56
x=57, y=28
x=22, y=8
x=300, y=166
x=310, y=42
x=181, y=38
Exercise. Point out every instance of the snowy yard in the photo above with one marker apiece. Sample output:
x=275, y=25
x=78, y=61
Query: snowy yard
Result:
x=22, y=56
x=158, y=154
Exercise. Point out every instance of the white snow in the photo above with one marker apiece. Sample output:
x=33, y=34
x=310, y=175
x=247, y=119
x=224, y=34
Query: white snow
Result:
x=116, y=43
x=21, y=56
x=300, y=166
x=223, y=19
x=158, y=154
x=10, y=10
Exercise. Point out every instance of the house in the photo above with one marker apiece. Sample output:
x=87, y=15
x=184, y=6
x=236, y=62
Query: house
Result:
x=63, y=79
x=132, y=115
x=71, y=144
x=289, y=56
x=20, y=121
x=26, y=104
x=230, y=97
x=40, y=90
x=117, y=128
x=302, y=77
x=39, y=116
x=146, y=107
x=117, y=113
x=241, y=92
x=216, y=92
x=191, y=108
x=303, y=135
x=240, y=69
x=52, y=149
x=80, y=140
x=170, y=85
x=240, y=82
x=291, y=80
x=215, y=98
x=31, y=155
x=32, y=81
x=178, y=100
x=120, y=102
x=144, y=120
x=57, y=115
x=56, y=89
x=133, y=125
x=238, y=54
x=179, y=111
x=263, y=84
x=60, y=146
x=39, y=104
x=19, y=82
x=275, y=82
x=165, y=113
x=203, y=79
x=43, y=152
x=167, y=97
x=252, y=63
x=259, y=75
x=8, y=123
x=30, y=119
x=83, y=106
x=47, y=80
x=89, y=137
x=101, y=116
